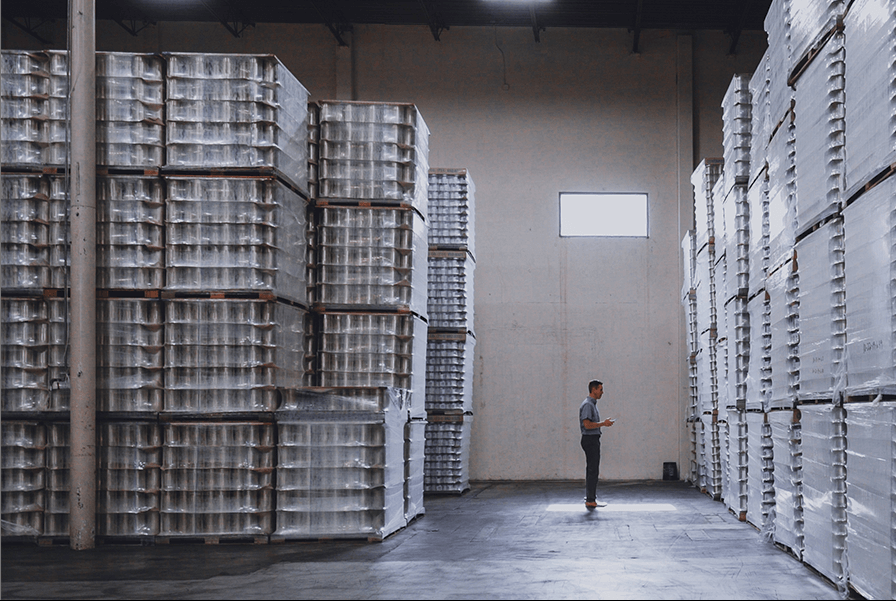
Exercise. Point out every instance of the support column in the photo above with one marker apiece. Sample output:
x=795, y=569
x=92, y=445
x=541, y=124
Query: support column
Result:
x=82, y=191
x=684, y=80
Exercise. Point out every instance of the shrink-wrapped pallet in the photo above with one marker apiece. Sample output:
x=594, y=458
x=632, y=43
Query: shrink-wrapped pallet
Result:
x=449, y=372
x=231, y=355
x=737, y=117
x=447, y=465
x=452, y=209
x=760, y=471
x=788, y=462
x=341, y=468
x=870, y=32
x=371, y=258
x=217, y=479
x=235, y=234
x=871, y=466
x=870, y=266
x=236, y=111
x=23, y=470
x=783, y=292
x=450, y=299
x=377, y=152
x=822, y=298
x=24, y=333
x=824, y=488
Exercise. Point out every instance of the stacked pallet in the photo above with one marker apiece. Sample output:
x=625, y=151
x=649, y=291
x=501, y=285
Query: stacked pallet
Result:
x=368, y=167
x=341, y=467
x=451, y=339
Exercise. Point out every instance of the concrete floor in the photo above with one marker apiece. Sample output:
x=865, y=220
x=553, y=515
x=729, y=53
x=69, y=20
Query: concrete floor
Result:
x=533, y=540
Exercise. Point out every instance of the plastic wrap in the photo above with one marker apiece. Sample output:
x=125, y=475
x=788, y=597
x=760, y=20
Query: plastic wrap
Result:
x=451, y=290
x=374, y=151
x=447, y=465
x=778, y=30
x=228, y=110
x=737, y=116
x=236, y=234
x=231, y=355
x=787, y=460
x=374, y=349
x=783, y=290
x=757, y=197
x=824, y=488
x=760, y=471
x=759, y=367
x=782, y=194
x=25, y=385
x=371, y=258
x=761, y=123
x=870, y=265
x=341, y=464
x=820, y=134
x=736, y=211
x=23, y=475
x=196, y=498
x=452, y=209
x=870, y=493
x=414, y=461
x=870, y=32
x=738, y=355
x=710, y=460
x=707, y=374
x=706, y=289
x=449, y=373
x=738, y=460
x=822, y=298
x=809, y=20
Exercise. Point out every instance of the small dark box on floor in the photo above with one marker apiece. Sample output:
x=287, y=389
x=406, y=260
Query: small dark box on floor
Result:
x=670, y=470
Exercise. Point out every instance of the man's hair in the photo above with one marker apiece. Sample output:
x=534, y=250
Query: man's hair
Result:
x=594, y=384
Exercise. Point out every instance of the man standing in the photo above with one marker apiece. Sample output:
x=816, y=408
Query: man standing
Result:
x=590, y=424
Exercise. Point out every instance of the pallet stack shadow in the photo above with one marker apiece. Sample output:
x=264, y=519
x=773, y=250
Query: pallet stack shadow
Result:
x=201, y=310
x=369, y=324
x=811, y=328
x=451, y=340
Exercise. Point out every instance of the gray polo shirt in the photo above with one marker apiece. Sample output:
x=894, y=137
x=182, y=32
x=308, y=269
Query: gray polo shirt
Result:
x=588, y=410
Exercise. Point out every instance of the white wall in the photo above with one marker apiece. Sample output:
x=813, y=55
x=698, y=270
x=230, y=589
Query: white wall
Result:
x=580, y=114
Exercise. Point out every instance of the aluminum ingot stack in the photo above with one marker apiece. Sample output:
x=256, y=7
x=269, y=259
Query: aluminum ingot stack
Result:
x=341, y=466
x=236, y=111
x=217, y=480
x=24, y=477
x=451, y=339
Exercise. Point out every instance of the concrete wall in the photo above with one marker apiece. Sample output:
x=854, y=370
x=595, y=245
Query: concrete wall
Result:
x=575, y=113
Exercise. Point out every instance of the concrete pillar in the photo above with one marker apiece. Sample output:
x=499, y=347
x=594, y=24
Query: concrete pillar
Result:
x=82, y=174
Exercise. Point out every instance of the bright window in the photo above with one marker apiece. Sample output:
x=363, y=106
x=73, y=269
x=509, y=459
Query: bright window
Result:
x=599, y=214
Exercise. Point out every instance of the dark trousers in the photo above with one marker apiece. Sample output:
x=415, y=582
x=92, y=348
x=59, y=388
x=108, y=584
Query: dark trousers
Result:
x=591, y=446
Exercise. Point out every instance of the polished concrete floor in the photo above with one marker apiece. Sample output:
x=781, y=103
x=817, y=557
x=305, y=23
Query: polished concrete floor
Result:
x=533, y=540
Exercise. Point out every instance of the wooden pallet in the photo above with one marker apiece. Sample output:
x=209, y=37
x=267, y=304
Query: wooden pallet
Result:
x=213, y=539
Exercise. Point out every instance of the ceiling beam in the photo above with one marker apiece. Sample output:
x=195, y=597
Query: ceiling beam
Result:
x=334, y=20
x=536, y=28
x=235, y=27
x=738, y=26
x=30, y=29
x=436, y=25
x=636, y=31
x=132, y=28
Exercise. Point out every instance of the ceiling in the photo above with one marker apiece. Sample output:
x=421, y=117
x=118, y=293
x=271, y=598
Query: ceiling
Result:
x=730, y=16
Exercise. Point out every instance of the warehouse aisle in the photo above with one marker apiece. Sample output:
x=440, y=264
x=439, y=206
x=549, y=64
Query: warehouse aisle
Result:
x=533, y=540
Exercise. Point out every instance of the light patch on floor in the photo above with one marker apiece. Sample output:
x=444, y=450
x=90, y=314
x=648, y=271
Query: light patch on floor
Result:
x=639, y=507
